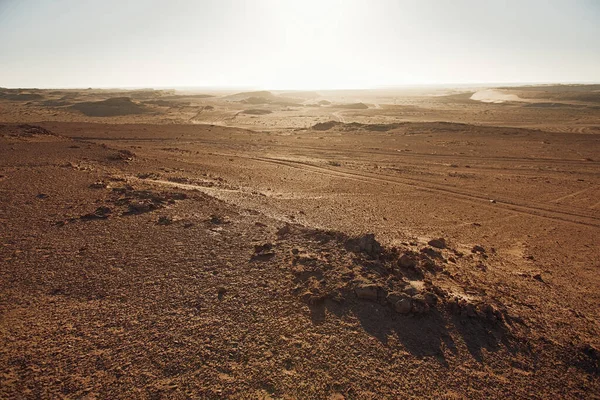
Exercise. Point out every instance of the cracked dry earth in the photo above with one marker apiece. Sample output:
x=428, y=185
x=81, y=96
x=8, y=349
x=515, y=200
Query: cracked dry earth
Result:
x=119, y=282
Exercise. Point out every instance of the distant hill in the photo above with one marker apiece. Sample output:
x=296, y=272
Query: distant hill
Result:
x=353, y=106
x=261, y=94
x=110, y=108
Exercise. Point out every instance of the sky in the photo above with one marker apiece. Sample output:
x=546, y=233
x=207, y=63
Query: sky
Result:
x=296, y=44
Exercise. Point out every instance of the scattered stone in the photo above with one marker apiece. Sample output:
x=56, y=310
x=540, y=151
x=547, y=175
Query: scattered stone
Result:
x=430, y=298
x=122, y=155
x=140, y=207
x=431, y=252
x=403, y=306
x=439, y=243
x=148, y=175
x=312, y=298
x=469, y=310
x=42, y=196
x=492, y=201
x=218, y=220
x=538, y=277
x=98, y=185
x=419, y=306
x=221, y=292
x=284, y=230
x=410, y=290
x=367, y=291
x=100, y=213
x=164, y=220
x=478, y=249
x=263, y=252
x=261, y=248
x=406, y=261
x=366, y=244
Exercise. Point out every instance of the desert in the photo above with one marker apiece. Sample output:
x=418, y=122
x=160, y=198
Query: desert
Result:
x=163, y=243
x=299, y=200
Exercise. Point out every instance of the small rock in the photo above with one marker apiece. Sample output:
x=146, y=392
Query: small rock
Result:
x=284, y=230
x=410, y=290
x=406, y=261
x=470, y=310
x=403, y=306
x=492, y=201
x=430, y=298
x=368, y=244
x=164, y=220
x=478, y=249
x=431, y=252
x=367, y=292
x=538, y=277
x=311, y=298
x=218, y=220
x=419, y=306
x=439, y=243
x=263, y=251
x=98, y=185
x=261, y=248
x=100, y=213
x=141, y=206
x=42, y=196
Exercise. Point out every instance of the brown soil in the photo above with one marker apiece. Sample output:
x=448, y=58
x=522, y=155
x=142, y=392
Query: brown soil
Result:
x=449, y=256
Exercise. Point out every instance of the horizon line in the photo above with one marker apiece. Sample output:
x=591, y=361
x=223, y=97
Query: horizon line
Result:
x=259, y=88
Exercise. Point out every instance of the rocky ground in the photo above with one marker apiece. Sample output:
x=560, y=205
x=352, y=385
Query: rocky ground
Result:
x=197, y=261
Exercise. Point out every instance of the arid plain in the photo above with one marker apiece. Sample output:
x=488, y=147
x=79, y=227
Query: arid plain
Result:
x=398, y=243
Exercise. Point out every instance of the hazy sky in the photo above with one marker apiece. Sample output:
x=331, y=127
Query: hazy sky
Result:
x=296, y=44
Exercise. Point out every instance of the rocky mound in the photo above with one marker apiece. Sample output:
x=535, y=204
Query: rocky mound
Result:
x=261, y=94
x=256, y=112
x=125, y=200
x=347, y=271
x=415, y=128
x=256, y=100
x=112, y=107
x=354, y=126
x=23, y=130
x=16, y=95
x=353, y=106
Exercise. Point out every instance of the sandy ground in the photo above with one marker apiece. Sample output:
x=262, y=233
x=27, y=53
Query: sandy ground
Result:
x=171, y=245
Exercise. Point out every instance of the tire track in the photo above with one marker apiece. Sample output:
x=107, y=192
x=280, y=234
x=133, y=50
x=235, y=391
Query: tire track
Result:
x=519, y=207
